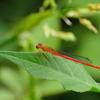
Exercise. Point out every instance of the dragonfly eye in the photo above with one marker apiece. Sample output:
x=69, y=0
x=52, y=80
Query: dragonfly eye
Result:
x=37, y=47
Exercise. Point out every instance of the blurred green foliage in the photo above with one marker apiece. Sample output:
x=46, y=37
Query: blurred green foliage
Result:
x=21, y=29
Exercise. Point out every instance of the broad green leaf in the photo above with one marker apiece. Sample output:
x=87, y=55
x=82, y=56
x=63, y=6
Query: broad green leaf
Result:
x=71, y=75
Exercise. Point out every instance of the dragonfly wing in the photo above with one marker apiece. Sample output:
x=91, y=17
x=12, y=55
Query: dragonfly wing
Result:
x=80, y=58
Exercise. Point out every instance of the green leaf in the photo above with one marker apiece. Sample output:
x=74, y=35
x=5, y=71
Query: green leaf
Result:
x=71, y=75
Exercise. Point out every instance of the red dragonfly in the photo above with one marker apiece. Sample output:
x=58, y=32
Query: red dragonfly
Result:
x=75, y=58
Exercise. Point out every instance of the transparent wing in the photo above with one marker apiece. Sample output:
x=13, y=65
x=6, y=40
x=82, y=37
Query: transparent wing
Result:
x=80, y=58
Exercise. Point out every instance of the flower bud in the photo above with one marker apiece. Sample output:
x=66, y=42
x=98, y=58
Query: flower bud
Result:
x=67, y=36
x=94, y=6
x=88, y=24
x=72, y=14
x=67, y=21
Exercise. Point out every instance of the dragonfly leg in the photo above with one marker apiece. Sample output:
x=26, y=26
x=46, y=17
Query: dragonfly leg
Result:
x=46, y=56
x=37, y=53
x=53, y=55
x=41, y=55
x=51, y=51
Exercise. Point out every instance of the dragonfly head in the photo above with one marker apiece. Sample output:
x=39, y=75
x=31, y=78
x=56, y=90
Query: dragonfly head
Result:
x=39, y=46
